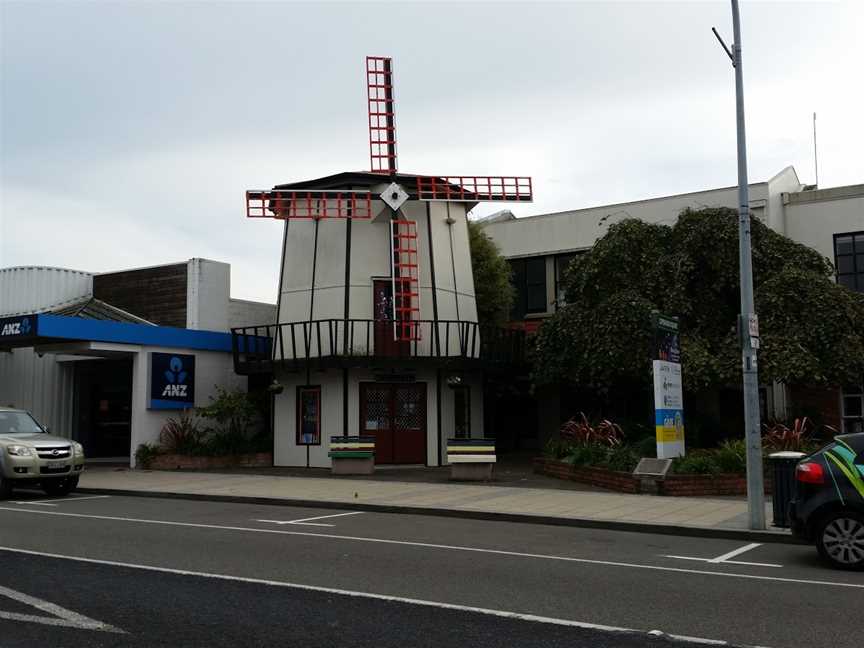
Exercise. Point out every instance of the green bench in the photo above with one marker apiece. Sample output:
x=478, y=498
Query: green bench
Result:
x=471, y=459
x=352, y=455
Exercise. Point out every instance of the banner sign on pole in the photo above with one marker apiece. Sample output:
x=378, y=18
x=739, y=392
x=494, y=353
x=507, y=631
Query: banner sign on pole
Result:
x=668, y=397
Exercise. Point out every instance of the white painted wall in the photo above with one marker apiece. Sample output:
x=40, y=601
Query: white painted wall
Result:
x=288, y=453
x=242, y=312
x=370, y=259
x=39, y=384
x=207, y=295
x=813, y=217
x=29, y=289
x=579, y=229
x=212, y=368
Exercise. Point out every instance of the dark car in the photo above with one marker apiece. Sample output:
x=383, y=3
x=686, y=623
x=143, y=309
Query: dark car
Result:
x=828, y=506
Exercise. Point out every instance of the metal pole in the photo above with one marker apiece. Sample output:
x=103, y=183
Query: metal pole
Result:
x=755, y=479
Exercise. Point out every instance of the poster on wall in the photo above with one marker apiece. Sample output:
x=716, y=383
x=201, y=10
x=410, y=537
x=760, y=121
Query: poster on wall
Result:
x=668, y=392
x=172, y=381
x=309, y=415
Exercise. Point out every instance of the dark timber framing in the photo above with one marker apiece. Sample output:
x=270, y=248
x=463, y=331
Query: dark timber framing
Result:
x=312, y=294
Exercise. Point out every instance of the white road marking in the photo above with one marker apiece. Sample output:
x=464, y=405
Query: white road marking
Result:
x=726, y=558
x=309, y=522
x=65, y=499
x=371, y=595
x=429, y=545
x=725, y=562
x=735, y=552
x=60, y=616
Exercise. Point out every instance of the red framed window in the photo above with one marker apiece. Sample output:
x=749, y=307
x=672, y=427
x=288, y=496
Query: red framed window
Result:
x=309, y=415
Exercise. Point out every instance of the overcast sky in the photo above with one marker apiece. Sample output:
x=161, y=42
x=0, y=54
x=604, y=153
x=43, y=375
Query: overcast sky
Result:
x=130, y=130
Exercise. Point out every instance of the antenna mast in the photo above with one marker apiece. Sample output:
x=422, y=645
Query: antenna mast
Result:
x=815, y=155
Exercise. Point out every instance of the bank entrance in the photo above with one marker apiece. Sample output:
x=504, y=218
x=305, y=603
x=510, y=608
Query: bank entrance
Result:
x=395, y=414
x=103, y=407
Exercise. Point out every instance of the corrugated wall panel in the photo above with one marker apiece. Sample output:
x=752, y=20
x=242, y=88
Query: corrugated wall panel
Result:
x=31, y=289
x=42, y=385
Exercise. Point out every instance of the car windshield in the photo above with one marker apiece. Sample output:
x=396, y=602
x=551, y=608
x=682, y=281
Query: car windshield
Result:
x=18, y=423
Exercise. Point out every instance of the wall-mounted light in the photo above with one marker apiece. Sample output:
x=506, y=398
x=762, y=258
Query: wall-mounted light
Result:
x=275, y=387
x=454, y=381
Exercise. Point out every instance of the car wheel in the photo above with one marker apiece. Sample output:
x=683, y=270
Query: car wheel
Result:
x=840, y=540
x=60, y=486
x=5, y=487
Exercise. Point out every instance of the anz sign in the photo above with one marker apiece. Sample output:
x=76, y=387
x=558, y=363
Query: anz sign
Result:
x=22, y=326
x=172, y=381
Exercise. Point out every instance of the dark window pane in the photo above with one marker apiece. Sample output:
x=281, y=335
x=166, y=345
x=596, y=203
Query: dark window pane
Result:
x=859, y=243
x=462, y=409
x=517, y=278
x=852, y=406
x=535, y=270
x=847, y=280
x=843, y=245
x=561, y=264
x=846, y=264
x=859, y=262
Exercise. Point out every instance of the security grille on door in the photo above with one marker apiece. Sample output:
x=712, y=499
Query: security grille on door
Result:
x=377, y=408
x=410, y=414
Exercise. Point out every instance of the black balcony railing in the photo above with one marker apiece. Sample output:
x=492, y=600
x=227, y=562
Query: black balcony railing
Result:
x=354, y=342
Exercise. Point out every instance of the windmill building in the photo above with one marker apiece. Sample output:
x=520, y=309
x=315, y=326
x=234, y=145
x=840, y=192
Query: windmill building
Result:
x=376, y=331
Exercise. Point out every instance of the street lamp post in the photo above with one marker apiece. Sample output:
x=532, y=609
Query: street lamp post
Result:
x=748, y=324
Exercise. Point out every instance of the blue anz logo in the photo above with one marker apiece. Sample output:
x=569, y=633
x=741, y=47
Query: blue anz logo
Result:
x=176, y=378
x=20, y=327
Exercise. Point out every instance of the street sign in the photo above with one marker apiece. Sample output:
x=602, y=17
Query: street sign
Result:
x=668, y=392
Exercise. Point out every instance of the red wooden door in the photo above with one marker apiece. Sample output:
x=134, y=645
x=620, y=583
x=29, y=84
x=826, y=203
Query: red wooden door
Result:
x=395, y=414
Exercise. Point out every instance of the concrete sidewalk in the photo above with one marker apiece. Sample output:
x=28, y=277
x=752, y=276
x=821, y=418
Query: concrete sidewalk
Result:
x=718, y=517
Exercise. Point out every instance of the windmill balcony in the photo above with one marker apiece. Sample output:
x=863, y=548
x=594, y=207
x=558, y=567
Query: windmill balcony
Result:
x=338, y=343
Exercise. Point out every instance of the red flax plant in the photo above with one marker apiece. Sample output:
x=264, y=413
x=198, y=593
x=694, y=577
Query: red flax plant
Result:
x=582, y=433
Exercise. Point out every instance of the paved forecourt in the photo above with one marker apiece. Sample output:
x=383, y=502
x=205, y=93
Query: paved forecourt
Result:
x=718, y=589
x=677, y=512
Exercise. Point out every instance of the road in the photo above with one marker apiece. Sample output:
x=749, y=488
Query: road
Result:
x=127, y=571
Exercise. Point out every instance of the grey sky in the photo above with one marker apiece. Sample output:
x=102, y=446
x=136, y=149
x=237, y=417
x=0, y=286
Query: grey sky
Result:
x=131, y=130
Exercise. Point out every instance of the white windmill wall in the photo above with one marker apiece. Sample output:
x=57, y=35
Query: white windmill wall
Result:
x=370, y=260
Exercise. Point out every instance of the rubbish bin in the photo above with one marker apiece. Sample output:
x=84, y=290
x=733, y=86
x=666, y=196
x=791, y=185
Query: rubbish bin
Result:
x=783, y=465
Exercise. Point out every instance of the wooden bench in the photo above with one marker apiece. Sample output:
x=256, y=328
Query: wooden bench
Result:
x=352, y=455
x=471, y=459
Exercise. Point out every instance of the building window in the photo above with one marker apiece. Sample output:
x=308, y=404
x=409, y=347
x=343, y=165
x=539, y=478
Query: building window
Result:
x=562, y=262
x=309, y=415
x=852, y=410
x=529, y=279
x=849, y=260
x=462, y=411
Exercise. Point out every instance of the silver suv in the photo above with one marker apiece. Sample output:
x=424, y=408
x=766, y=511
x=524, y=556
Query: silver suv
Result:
x=29, y=456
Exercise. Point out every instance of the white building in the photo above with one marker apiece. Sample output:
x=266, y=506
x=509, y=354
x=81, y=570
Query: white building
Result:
x=106, y=358
x=359, y=352
x=831, y=221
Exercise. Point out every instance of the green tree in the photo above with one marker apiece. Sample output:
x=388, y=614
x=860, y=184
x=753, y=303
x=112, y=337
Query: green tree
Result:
x=491, y=271
x=812, y=330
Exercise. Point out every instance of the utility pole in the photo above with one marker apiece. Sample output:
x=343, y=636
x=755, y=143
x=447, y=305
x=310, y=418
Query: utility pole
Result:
x=748, y=323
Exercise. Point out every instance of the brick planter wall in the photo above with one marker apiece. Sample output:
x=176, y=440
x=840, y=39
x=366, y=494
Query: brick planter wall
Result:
x=617, y=481
x=188, y=462
x=674, y=485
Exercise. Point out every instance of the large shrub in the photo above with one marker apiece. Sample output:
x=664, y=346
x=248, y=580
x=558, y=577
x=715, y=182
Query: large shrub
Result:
x=812, y=330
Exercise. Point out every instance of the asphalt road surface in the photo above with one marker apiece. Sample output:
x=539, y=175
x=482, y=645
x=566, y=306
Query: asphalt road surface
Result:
x=126, y=571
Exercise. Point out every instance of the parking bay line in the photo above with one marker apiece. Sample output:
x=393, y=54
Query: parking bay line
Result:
x=727, y=557
x=308, y=521
x=65, y=499
x=429, y=545
x=519, y=616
